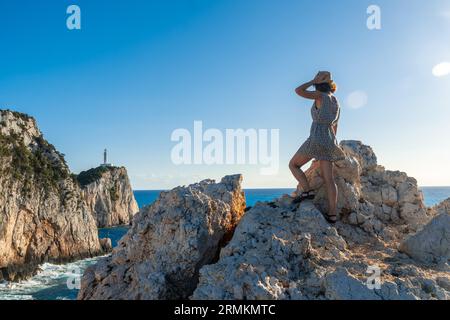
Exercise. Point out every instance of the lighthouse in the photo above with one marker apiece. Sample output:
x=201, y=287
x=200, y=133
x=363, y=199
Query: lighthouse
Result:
x=105, y=159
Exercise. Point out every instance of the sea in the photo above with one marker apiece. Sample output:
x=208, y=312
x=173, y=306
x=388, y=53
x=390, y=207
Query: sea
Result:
x=60, y=282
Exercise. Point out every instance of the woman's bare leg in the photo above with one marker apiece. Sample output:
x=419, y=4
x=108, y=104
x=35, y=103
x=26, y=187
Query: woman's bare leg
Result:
x=326, y=168
x=296, y=163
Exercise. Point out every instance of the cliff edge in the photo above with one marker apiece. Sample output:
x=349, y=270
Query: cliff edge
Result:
x=108, y=194
x=43, y=217
x=386, y=245
x=169, y=241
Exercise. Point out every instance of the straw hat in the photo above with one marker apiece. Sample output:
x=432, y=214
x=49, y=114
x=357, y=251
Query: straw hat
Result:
x=324, y=77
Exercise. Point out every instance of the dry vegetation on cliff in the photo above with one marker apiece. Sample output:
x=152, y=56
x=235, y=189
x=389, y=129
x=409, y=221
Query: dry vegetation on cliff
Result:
x=43, y=217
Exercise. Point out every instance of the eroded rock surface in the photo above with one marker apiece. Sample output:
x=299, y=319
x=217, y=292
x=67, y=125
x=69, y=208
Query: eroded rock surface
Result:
x=285, y=251
x=432, y=243
x=43, y=217
x=160, y=256
x=443, y=207
x=386, y=204
x=108, y=194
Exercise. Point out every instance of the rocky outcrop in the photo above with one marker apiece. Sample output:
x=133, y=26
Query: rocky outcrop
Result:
x=108, y=194
x=43, y=217
x=269, y=254
x=386, y=204
x=443, y=207
x=284, y=251
x=169, y=241
x=281, y=250
x=432, y=243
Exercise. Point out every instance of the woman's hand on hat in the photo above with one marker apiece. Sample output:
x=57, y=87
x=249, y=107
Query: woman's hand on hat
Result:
x=317, y=78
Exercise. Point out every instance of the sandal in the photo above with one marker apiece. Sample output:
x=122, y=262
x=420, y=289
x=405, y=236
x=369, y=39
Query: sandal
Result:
x=309, y=195
x=330, y=218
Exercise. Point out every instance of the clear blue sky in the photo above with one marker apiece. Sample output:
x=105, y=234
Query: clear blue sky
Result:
x=140, y=69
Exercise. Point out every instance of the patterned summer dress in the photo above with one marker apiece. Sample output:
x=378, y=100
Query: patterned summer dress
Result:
x=322, y=143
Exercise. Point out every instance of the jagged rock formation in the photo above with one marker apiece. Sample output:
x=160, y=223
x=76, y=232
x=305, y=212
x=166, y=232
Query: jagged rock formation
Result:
x=386, y=204
x=432, y=243
x=109, y=196
x=168, y=243
x=285, y=251
x=443, y=207
x=281, y=250
x=42, y=214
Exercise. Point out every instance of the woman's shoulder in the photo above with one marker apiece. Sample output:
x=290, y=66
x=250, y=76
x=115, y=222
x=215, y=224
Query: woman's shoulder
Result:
x=327, y=98
x=333, y=98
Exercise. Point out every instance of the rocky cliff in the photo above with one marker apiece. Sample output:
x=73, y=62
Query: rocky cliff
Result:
x=42, y=214
x=385, y=204
x=108, y=194
x=386, y=244
x=160, y=256
x=442, y=207
x=432, y=243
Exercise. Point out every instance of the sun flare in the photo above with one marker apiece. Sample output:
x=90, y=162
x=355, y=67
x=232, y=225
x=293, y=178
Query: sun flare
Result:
x=442, y=69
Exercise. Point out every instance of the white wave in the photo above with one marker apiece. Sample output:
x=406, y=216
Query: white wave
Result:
x=50, y=275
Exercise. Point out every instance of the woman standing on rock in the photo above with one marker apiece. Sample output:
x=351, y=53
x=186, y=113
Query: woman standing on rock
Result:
x=322, y=144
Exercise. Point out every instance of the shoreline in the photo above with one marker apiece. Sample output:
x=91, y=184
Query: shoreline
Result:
x=48, y=270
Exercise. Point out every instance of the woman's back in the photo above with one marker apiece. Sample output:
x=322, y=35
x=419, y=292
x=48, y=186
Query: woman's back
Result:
x=329, y=110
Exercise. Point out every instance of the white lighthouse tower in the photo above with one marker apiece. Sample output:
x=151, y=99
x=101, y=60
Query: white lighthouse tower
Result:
x=105, y=159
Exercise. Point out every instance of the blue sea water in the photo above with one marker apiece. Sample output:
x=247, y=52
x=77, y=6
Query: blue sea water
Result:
x=51, y=282
x=432, y=195
x=113, y=233
x=435, y=195
x=146, y=197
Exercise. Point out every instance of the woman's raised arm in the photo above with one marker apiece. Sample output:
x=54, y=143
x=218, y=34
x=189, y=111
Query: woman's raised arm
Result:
x=302, y=91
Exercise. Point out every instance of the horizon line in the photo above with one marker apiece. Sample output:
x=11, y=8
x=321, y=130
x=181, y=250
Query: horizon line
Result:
x=268, y=188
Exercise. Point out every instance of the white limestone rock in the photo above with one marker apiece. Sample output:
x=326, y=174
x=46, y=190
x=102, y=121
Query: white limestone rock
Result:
x=443, y=207
x=285, y=251
x=43, y=217
x=386, y=203
x=432, y=243
x=272, y=250
x=108, y=194
x=168, y=243
x=363, y=153
x=340, y=285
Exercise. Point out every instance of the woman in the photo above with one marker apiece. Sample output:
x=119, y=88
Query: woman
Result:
x=322, y=144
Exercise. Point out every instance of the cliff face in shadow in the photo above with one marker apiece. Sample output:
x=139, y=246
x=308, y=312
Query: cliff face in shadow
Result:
x=108, y=194
x=43, y=216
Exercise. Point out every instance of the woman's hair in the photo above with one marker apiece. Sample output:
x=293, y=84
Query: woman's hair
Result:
x=326, y=87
